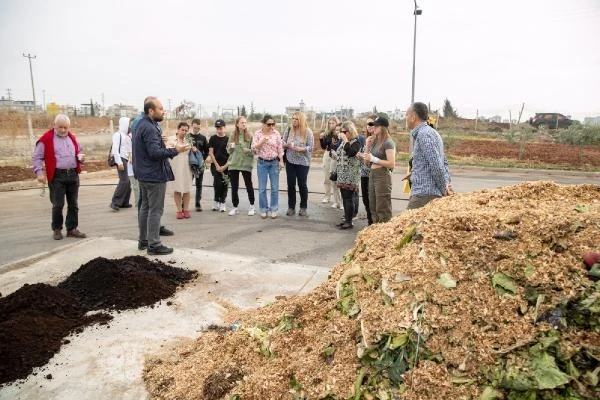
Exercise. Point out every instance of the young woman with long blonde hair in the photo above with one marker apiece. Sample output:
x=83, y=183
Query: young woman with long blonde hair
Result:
x=299, y=143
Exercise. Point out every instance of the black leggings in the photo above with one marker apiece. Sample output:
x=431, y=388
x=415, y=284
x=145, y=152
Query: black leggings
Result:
x=234, y=176
x=348, y=201
x=364, y=188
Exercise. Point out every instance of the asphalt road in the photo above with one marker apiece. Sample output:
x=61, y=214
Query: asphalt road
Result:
x=25, y=226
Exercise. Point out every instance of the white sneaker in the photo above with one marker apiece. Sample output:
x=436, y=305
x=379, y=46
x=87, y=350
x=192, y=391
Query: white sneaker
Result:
x=251, y=211
x=263, y=215
x=215, y=206
x=273, y=214
x=335, y=205
x=222, y=207
x=234, y=211
x=325, y=200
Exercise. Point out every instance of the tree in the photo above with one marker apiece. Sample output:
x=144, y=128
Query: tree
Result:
x=449, y=111
x=243, y=113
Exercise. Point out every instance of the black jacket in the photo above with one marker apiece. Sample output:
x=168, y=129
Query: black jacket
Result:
x=150, y=156
x=201, y=143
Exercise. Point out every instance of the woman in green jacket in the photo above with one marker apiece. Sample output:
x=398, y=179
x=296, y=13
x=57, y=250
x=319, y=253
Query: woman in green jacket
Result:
x=241, y=160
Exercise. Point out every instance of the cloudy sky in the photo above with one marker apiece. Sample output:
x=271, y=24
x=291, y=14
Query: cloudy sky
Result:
x=489, y=56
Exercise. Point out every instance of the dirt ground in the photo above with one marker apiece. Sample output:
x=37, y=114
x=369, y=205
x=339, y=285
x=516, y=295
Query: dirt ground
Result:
x=14, y=173
x=546, y=153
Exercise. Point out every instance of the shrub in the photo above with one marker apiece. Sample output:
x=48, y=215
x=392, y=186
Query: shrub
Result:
x=579, y=135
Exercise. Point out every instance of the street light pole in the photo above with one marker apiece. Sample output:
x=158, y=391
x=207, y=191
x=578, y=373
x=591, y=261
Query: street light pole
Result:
x=29, y=56
x=416, y=12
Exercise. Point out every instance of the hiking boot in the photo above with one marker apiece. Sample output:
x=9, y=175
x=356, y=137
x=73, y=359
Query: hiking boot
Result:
x=165, y=232
x=346, y=225
x=159, y=250
x=57, y=234
x=76, y=233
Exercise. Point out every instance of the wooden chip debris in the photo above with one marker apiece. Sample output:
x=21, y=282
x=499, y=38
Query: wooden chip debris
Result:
x=451, y=301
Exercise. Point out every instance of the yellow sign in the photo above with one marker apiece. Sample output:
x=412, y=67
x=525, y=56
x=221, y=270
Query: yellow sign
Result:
x=52, y=108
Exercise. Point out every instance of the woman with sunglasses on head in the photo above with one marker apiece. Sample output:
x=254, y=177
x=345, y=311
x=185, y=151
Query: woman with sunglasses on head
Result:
x=335, y=144
x=241, y=159
x=268, y=146
x=325, y=140
x=380, y=154
x=299, y=142
x=348, y=170
x=365, y=170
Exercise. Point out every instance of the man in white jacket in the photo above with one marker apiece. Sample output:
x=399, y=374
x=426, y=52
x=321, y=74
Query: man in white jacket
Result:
x=121, y=150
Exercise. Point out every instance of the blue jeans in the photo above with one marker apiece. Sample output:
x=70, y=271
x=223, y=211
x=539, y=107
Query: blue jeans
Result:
x=268, y=169
x=297, y=172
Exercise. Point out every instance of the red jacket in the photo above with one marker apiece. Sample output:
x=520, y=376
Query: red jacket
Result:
x=50, y=158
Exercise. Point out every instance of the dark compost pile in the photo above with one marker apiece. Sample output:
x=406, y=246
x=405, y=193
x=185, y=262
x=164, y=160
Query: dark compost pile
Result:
x=35, y=319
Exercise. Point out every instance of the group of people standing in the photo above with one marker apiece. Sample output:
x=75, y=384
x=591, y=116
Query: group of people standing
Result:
x=352, y=163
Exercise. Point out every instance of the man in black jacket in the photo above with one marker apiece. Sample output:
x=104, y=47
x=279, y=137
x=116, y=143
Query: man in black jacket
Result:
x=152, y=170
x=199, y=143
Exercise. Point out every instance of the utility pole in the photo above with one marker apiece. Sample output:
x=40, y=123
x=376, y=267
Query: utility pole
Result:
x=44, y=100
x=29, y=56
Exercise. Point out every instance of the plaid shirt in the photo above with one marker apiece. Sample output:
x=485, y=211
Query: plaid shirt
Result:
x=430, y=175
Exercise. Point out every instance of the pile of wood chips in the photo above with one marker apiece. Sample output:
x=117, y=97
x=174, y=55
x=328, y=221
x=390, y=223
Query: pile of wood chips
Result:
x=305, y=347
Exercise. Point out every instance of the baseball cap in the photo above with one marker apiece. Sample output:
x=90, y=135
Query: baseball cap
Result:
x=219, y=123
x=381, y=121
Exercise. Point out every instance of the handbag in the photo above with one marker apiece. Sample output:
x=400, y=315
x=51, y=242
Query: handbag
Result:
x=285, y=138
x=111, y=157
x=333, y=176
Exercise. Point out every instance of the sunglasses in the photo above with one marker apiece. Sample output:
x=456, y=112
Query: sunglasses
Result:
x=345, y=131
x=270, y=124
x=371, y=124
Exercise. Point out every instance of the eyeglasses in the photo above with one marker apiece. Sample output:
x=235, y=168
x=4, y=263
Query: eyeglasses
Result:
x=270, y=124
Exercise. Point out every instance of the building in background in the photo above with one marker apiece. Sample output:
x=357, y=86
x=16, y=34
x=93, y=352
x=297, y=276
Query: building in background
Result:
x=17, y=105
x=122, y=110
x=594, y=121
x=289, y=110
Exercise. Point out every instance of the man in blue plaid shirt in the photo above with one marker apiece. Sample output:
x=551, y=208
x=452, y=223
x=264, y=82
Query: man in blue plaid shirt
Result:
x=429, y=176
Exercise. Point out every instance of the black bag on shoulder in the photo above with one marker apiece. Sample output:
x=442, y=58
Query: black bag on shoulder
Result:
x=111, y=158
